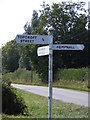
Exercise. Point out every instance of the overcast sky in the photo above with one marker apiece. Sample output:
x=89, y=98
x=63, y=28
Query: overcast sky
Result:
x=15, y=13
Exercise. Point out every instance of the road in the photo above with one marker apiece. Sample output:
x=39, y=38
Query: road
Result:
x=65, y=95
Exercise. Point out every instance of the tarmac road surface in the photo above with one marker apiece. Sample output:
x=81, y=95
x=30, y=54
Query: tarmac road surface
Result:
x=65, y=95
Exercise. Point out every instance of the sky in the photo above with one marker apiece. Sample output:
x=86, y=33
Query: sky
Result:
x=15, y=13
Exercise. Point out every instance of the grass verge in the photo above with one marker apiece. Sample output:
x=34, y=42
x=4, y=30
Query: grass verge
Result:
x=75, y=85
x=38, y=108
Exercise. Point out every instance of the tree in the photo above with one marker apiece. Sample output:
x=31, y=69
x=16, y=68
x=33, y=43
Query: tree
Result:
x=24, y=63
x=35, y=61
x=10, y=56
x=26, y=50
x=31, y=28
x=69, y=27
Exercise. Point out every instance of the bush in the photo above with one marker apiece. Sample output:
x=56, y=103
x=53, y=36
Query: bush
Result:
x=12, y=102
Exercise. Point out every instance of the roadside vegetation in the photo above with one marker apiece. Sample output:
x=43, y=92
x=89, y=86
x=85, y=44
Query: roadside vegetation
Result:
x=65, y=78
x=72, y=78
x=38, y=108
x=20, y=63
x=12, y=102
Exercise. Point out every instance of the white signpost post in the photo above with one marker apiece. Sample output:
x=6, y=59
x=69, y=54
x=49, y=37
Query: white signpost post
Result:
x=47, y=50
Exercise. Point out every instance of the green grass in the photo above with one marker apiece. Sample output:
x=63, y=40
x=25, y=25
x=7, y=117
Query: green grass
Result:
x=75, y=85
x=72, y=74
x=22, y=76
x=38, y=108
x=72, y=78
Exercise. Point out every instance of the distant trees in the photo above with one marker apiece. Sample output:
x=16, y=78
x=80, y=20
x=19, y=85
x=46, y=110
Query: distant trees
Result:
x=10, y=56
x=31, y=28
x=69, y=27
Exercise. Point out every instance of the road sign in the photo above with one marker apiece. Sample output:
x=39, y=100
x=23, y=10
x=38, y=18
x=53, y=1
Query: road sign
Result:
x=41, y=51
x=68, y=46
x=47, y=50
x=32, y=39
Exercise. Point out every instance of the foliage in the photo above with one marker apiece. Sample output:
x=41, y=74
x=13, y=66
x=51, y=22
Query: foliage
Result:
x=12, y=102
x=65, y=19
x=38, y=108
x=70, y=78
x=10, y=56
x=69, y=22
x=23, y=76
x=72, y=74
x=24, y=62
x=31, y=50
x=69, y=27
x=31, y=28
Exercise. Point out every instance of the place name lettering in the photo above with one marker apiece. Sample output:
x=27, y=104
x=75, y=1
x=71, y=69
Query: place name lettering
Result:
x=26, y=37
x=27, y=41
x=67, y=47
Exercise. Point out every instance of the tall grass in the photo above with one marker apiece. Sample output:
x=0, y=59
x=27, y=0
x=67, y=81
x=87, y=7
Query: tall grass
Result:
x=66, y=78
x=22, y=76
x=72, y=79
x=71, y=74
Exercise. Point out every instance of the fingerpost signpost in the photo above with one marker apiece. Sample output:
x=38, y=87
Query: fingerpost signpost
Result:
x=47, y=50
